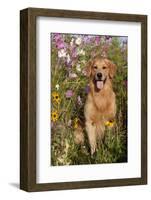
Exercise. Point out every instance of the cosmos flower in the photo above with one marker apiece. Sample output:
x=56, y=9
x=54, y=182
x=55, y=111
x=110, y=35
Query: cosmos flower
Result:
x=68, y=59
x=78, y=41
x=61, y=53
x=72, y=42
x=79, y=100
x=57, y=36
x=72, y=75
x=84, y=72
x=89, y=39
x=74, y=52
x=97, y=40
x=60, y=45
x=78, y=68
x=69, y=93
x=81, y=52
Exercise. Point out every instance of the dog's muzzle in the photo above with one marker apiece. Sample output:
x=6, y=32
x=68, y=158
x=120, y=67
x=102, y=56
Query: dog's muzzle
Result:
x=99, y=80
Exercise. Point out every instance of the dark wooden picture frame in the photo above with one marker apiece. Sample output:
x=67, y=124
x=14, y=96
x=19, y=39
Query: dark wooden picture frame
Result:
x=28, y=98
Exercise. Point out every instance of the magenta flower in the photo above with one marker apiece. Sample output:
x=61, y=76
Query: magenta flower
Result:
x=57, y=36
x=69, y=93
x=97, y=40
x=59, y=41
x=60, y=44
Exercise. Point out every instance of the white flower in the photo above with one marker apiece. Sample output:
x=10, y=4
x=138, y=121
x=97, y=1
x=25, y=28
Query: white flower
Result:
x=84, y=61
x=78, y=68
x=81, y=52
x=61, y=53
x=68, y=58
x=72, y=41
x=84, y=72
x=57, y=87
x=79, y=100
x=78, y=41
x=72, y=75
x=69, y=122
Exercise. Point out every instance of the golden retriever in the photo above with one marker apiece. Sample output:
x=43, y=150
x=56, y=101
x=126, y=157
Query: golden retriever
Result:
x=100, y=105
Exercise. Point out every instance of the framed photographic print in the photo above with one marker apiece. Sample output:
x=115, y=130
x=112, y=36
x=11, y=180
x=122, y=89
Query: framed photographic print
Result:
x=83, y=93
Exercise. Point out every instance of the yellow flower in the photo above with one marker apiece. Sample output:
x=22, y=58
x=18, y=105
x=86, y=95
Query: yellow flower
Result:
x=56, y=97
x=54, y=116
x=109, y=123
x=55, y=94
x=75, y=125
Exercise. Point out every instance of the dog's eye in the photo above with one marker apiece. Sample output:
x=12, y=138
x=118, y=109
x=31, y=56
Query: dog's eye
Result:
x=95, y=67
x=104, y=67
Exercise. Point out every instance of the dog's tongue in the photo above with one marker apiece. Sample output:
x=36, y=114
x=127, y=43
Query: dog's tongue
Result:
x=99, y=84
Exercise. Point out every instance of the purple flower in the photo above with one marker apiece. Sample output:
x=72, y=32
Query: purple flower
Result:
x=87, y=39
x=59, y=41
x=69, y=93
x=57, y=36
x=74, y=52
x=97, y=40
x=87, y=89
x=60, y=44
x=68, y=64
x=108, y=37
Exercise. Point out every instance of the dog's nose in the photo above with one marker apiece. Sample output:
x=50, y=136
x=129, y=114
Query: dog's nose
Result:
x=99, y=75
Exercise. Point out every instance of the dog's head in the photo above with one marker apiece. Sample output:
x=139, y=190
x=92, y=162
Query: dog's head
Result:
x=100, y=69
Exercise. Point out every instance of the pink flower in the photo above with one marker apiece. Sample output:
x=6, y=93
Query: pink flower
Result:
x=69, y=93
x=56, y=37
x=60, y=44
x=97, y=40
x=74, y=52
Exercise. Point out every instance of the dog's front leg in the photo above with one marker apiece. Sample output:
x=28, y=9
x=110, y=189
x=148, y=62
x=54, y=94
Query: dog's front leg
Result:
x=91, y=131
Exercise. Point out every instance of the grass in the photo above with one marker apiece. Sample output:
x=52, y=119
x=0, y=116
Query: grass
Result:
x=64, y=151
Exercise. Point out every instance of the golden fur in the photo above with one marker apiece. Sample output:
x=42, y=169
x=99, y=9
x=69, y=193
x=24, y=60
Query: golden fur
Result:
x=100, y=104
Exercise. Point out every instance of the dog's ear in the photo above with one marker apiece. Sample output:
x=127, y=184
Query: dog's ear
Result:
x=112, y=68
x=88, y=68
